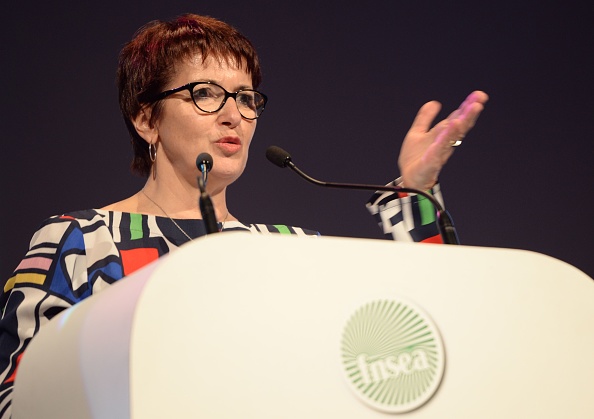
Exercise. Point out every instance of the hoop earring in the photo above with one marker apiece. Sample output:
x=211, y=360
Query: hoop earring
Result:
x=152, y=149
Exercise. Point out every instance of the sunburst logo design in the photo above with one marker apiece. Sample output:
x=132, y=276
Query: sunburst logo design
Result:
x=392, y=355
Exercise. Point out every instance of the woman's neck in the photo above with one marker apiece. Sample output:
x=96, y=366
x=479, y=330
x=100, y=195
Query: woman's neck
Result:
x=174, y=200
x=180, y=200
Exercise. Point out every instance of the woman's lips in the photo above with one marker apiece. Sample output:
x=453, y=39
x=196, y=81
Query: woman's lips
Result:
x=230, y=145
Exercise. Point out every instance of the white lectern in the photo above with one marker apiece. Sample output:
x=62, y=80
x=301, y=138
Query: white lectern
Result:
x=237, y=325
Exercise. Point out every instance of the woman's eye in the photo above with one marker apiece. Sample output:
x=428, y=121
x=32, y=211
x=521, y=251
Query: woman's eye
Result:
x=207, y=92
x=246, y=100
x=203, y=92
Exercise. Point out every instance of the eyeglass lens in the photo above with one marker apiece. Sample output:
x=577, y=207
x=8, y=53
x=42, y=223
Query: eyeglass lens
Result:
x=210, y=97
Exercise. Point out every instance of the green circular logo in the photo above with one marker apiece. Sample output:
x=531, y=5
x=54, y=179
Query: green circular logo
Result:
x=392, y=355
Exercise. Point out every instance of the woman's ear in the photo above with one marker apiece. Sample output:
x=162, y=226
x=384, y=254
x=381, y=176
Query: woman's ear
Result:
x=143, y=126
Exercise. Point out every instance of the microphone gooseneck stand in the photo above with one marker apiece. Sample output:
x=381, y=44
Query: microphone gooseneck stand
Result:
x=282, y=159
x=204, y=164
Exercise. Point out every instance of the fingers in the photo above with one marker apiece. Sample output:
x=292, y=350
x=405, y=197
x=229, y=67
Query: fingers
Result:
x=451, y=131
x=476, y=97
x=464, y=118
x=468, y=111
x=453, y=135
x=480, y=96
x=458, y=127
x=425, y=116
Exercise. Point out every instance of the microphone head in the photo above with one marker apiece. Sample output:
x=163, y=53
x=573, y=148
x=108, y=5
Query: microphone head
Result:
x=204, y=162
x=278, y=156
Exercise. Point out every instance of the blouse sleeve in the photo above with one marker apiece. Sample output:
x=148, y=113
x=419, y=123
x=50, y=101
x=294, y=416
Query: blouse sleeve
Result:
x=406, y=217
x=52, y=277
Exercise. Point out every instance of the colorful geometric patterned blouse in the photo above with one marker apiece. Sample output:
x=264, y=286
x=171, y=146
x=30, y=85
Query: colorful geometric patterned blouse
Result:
x=75, y=255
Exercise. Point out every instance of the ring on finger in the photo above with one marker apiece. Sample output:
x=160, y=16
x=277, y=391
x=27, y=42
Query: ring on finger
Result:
x=456, y=143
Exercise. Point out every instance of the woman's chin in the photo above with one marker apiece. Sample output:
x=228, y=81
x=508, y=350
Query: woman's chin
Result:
x=225, y=175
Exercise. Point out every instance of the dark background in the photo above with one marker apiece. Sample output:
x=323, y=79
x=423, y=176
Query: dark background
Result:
x=522, y=179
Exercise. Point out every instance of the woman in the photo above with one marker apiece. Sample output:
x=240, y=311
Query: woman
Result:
x=187, y=86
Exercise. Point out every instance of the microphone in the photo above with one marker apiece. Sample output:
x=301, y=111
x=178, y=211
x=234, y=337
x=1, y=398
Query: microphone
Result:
x=282, y=159
x=204, y=164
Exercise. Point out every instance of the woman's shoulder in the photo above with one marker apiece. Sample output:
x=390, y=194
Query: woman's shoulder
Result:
x=93, y=221
x=85, y=220
x=78, y=216
x=58, y=225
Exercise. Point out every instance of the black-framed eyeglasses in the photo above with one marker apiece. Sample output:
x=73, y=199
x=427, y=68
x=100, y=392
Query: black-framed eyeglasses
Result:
x=210, y=97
